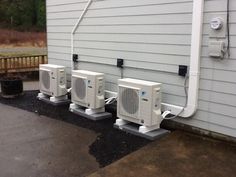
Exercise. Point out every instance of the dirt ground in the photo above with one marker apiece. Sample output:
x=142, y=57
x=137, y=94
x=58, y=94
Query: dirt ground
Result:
x=15, y=43
x=12, y=38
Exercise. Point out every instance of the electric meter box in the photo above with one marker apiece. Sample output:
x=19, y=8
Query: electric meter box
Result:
x=217, y=26
x=217, y=49
x=217, y=23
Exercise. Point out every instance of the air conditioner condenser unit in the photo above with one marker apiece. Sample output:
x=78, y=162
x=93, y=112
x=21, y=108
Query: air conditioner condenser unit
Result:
x=139, y=102
x=52, y=82
x=87, y=94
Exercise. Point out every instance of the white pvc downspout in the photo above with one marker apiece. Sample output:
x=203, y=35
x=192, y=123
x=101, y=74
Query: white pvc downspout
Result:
x=194, y=73
x=74, y=30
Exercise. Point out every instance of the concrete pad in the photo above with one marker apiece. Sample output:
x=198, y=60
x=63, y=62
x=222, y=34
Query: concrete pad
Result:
x=35, y=146
x=134, y=129
x=95, y=117
x=177, y=155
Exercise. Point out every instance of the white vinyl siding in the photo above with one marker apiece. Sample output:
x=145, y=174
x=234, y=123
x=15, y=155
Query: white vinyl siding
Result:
x=153, y=37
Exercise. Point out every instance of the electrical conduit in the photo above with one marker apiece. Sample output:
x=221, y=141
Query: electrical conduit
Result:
x=74, y=30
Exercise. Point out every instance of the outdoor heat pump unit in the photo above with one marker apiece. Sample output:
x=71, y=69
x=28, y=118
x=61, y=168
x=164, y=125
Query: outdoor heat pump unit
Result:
x=52, y=82
x=87, y=92
x=88, y=89
x=139, y=102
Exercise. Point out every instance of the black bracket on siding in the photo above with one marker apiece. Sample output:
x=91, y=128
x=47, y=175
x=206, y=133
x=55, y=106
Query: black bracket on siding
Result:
x=120, y=63
x=183, y=69
x=75, y=58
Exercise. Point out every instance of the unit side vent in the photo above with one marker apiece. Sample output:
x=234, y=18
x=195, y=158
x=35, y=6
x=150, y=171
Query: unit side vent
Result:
x=45, y=79
x=80, y=88
x=129, y=100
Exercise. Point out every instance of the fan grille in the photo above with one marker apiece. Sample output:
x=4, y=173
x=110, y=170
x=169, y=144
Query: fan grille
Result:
x=45, y=79
x=80, y=88
x=129, y=101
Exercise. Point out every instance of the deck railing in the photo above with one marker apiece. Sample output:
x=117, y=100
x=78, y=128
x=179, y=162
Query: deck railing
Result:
x=22, y=64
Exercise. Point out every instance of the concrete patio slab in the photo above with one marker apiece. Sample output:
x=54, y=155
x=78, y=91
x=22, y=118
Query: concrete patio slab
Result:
x=37, y=146
x=178, y=155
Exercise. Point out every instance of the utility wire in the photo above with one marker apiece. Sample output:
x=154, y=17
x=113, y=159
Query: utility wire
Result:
x=228, y=27
x=186, y=101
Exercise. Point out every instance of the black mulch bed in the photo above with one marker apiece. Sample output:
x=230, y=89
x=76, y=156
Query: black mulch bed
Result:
x=110, y=145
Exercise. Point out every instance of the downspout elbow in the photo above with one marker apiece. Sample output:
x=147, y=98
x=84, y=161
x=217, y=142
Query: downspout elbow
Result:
x=189, y=111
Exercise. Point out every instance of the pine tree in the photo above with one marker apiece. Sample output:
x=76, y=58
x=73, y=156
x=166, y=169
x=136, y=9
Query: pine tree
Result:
x=23, y=14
